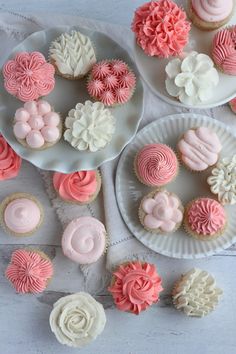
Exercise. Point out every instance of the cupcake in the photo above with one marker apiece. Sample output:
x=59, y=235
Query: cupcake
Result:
x=111, y=82
x=28, y=76
x=161, y=212
x=223, y=50
x=209, y=15
x=222, y=180
x=84, y=240
x=161, y=28
x=191, y=79
x=195, y=293
x=205, y=219
x=77, y=319
x=89, y=126
x=232, y=104
x=10, y=162
x=72, y=54
x=37, y=126
x=29, y=271
x=135, y=286
x=21, y=214
x=156, y=165
x=79, y=187
x=199, y=148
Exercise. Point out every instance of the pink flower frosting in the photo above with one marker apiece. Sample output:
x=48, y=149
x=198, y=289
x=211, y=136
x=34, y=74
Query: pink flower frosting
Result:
x=77, y=186
x=111, y=82
x=10, y=162
x=28, y=76
x=156, y=165
x=224, y=50
x=135, y=286
x=232, y=104
x=206, y=216
x=29, y=271
x=161, y=28
x=212, y=10
x=163, y=211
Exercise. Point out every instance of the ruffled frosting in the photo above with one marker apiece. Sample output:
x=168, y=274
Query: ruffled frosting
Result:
x=76, y=320
x=135, y=286
x=192, y=79
x=199, y=148
x=212, y=10
x=90, y=126
x=196, y=293
x=161, y=28
x=28, y=76
x=29, y=271
x=10, y=162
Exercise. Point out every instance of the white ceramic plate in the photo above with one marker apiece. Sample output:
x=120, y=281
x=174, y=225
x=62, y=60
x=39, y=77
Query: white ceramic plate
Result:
x=62, y=157
x=152, y=69
x=187, y=186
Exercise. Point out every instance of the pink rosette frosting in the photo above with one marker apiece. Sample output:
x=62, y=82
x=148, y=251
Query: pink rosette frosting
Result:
x=135, y=286
x=28, y=76
x=29, y=272
x=212, y=10
x=161, y=28
x=10, y=162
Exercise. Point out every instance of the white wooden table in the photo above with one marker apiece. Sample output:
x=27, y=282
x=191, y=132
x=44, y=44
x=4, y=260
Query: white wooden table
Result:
x=24, y=324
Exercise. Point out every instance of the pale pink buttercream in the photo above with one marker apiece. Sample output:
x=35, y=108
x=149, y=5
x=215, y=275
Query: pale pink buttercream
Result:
x=213, y=10
x=156, y=164
x=84, y=240
x=206, y=216
x=135, y=286
x=29, y=271
x=199, y=148
x=28, y=76
x=10, y=162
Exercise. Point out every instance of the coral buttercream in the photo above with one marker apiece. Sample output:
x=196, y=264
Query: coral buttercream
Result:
x=10, y=162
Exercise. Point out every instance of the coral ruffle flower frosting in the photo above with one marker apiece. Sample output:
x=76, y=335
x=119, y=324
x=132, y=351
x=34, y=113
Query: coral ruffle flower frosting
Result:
x=28, y=76
x=10, y=162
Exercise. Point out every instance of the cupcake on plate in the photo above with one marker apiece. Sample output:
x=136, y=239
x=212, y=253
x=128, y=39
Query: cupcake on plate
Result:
x=205, y=219
x=29, y=271
x=10, y=162
x=199, y=148
x=156, y=165
x=135, y=286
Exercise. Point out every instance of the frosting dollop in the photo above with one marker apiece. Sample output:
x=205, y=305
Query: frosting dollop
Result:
x=29, y=271
x=212, y=10
x=90, y=126
x=77, y=319
x=28, y=76
x=199, y=148
x=135, y=286
x=10, y=162
x=161, y=28
x=196, y=293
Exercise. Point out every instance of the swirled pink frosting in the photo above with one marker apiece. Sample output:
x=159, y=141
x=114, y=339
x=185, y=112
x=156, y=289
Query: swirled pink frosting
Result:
x=10, y=162
x=224, y=50
x=212, y=10
x=77, y=186
x=156, y=164
x=206, y=216
x=28, y=76
x=161, y=28
x=135, y=286
x=28, y=271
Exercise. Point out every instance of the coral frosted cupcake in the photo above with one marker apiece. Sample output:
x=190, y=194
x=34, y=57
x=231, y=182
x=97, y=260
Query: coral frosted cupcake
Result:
x=10, y=162
x=205, y=219
x=135, y=286
x=29, y=271
x=156, y=165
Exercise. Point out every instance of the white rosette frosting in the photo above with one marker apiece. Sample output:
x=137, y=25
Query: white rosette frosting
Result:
x=192, y=79
x=196, y=293
x=76, y=320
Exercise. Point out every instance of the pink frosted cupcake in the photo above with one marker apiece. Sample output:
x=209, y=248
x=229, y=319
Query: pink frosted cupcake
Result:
x=232, y=104
x=156, y=165
x=10, y=162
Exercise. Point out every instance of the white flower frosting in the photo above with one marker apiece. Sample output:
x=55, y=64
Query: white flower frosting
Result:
x=191, y=79
x=89, y=126
x=223, y=180
x=77, y=319
x=196, y=293
x=73, y=54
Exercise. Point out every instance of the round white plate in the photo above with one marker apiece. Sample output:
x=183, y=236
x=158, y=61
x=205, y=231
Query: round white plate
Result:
x=187, y=186
x=62, y=157
x=152, y=69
